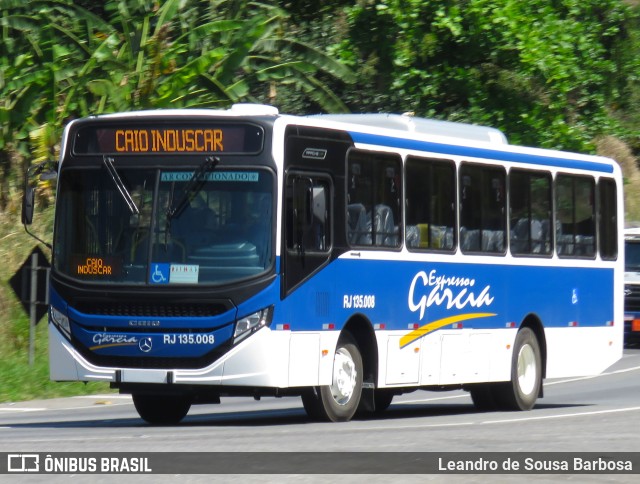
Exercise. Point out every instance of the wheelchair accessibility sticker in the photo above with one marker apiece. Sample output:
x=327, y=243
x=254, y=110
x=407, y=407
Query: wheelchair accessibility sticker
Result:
x=164, y=273
x=159, y=273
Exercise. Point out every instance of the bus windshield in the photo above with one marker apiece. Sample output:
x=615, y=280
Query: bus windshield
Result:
x=216, y=231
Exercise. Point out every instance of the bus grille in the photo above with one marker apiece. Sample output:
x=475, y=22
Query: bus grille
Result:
x=153, y=310
x=632, y=297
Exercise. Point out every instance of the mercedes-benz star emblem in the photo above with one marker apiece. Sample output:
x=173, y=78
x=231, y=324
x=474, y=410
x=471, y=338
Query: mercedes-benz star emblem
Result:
x=145, y=345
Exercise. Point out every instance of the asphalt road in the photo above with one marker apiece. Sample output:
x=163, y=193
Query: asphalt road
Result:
x=597, y=414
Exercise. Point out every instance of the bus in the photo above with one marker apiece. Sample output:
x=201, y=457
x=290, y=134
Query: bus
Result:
x=345, y=259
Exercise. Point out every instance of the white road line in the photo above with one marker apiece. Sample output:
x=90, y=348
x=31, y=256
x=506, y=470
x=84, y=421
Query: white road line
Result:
x=546, y=383
x=489, y=422
x=625, y=370
x=21, y=409
x=423, y=400
x=566, y=415
x=99, y=401
x=106, y=396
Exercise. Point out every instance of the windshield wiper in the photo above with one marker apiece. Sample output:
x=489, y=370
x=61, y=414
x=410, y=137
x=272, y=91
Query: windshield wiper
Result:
x=193, y=187
x=126, y=196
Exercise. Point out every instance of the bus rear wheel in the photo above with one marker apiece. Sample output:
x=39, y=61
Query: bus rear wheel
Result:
x=161, y=409
x=482, y=397
x=522, y=391
x=339, y=401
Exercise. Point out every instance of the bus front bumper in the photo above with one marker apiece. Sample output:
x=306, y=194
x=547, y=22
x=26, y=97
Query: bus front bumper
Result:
x=265, y=359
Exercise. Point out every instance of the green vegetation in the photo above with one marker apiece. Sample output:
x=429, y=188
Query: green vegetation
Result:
x=554, y=73
x=20, y=381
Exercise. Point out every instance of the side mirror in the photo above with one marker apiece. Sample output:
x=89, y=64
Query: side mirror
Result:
x=47, y=170
x=28, y=200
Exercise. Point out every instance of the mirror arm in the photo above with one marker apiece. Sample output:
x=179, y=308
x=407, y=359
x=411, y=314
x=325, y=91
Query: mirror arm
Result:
x=47, y=171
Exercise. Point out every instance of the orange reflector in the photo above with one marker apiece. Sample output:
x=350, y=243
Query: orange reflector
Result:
x=416, y=349
x=635, y=325
x=325, y=352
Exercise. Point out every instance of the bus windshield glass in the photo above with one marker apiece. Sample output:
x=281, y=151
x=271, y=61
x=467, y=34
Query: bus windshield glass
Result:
x=632, y=255
x=221, y=233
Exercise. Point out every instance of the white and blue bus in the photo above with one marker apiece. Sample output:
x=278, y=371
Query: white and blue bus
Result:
x=345, y=259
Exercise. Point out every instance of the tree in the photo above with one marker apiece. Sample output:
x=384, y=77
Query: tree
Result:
x=186, y=53
x=37, y=60
x=543, y=71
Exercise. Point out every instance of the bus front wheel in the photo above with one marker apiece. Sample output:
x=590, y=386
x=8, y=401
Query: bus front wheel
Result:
x=339, y=401
x=161, y=409
x=522, y=391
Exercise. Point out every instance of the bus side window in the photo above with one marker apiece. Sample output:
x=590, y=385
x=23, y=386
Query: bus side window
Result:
x=530, y=212
x=430, y=205
x=482, y=209
x=374, y=194
x=575, y=209
x=608, y=221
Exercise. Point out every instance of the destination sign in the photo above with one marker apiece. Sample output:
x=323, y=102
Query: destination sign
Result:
x=96, y=266
x=170, y=140
x=150, y=140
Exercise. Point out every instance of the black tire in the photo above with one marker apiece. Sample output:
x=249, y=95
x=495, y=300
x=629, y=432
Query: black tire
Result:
x=312, y=404
x=382, y=399
x=339, y=401
x=482, y=397
x=162, y=409
x=522, y=391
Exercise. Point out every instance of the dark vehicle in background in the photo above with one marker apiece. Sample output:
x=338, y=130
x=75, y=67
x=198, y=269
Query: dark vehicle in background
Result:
x=632, y=285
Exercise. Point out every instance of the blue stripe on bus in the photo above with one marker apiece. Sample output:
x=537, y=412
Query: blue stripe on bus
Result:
x=472, y=152
x=423, y=297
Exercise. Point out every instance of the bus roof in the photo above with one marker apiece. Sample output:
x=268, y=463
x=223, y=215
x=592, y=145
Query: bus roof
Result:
x=404, y=131
x=411, y=124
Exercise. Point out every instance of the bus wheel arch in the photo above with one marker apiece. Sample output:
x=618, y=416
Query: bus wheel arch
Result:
x=533, y=322
x=509, y=395
x=361, y=330
x=354, y=367
x=527, y=369
x=373, y=399
x=338, y=401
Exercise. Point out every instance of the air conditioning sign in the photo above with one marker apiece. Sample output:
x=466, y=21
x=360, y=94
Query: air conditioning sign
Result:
x=314, y=153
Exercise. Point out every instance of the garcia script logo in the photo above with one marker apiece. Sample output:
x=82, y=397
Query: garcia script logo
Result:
x=445, y=290
x=449, y=291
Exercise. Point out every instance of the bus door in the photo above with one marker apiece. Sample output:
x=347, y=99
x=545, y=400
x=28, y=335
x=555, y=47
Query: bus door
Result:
x=308, y=237
x=313, y=189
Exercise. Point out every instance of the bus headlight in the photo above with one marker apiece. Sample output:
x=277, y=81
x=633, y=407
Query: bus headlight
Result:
x=61, y=322
x=252, y=323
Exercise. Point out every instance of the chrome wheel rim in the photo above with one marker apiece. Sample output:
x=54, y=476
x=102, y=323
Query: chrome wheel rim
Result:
x=344, y=377
x=527, y=371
